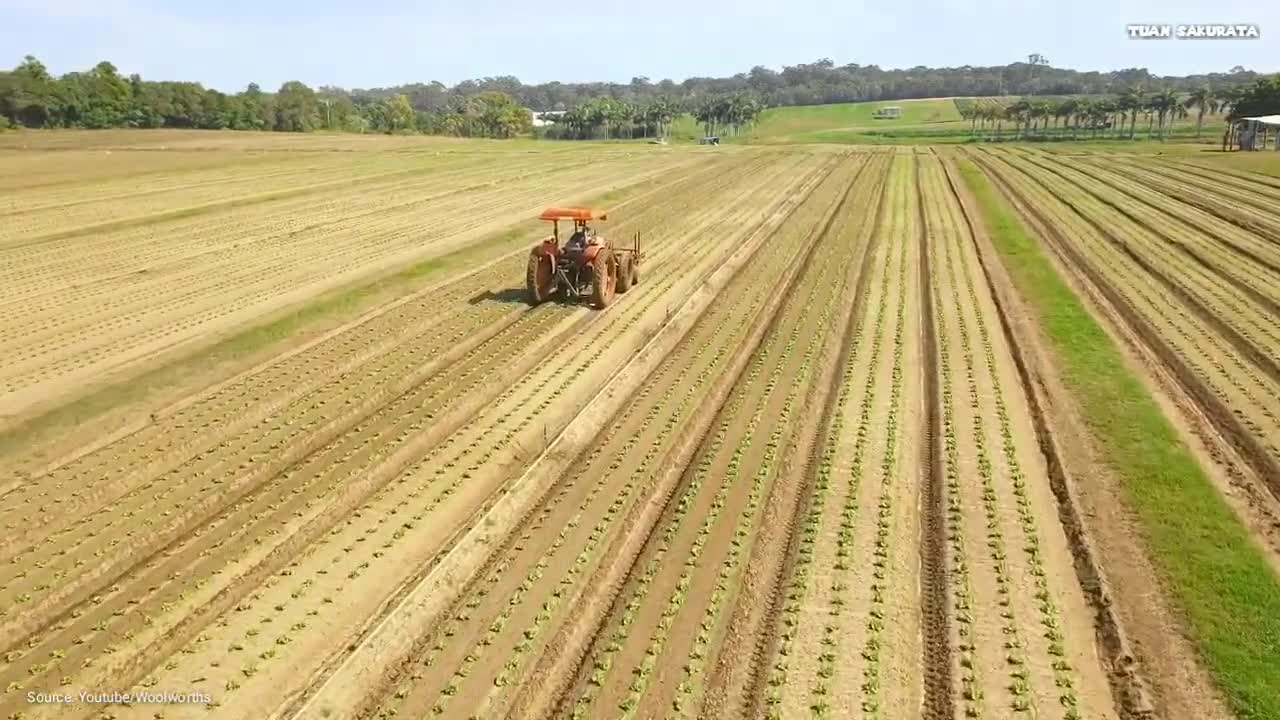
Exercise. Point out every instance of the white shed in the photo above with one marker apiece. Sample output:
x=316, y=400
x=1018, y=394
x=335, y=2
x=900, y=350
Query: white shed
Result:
x=1252, y=133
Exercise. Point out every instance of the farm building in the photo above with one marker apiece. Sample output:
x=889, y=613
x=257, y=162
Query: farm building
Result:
x=1252, y=133
x=546, y=117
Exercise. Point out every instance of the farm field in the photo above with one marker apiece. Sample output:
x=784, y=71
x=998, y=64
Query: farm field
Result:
x=1188, y=260
x=851, y=122
x=811, y=466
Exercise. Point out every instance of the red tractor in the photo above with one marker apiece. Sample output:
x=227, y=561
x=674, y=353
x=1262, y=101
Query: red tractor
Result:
x=586, y=264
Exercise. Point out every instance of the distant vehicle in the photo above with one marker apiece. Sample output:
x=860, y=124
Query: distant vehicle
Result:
x=709, y=140
x=586, y=265
x=887, y=113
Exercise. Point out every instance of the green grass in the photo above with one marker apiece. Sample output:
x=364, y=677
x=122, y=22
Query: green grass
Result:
x=1263, y=162
x=1216, y=574
x=844, y=122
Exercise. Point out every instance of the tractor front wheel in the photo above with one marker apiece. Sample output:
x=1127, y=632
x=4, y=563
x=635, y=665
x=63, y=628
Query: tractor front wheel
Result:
x=604, y=271
x=539, y=278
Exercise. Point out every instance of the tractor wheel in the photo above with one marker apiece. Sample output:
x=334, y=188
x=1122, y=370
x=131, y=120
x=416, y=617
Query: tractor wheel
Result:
x=635, y=272
x=625, y=272
x=538, y=277
x=604, y=271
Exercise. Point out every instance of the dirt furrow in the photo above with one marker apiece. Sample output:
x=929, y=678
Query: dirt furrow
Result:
x=1212, y=339
x=167, y=325
x=939, y=701
x=487, y=471
x=517, y=343
x=90, y=532
x=555, y=669
x=742, y=655
x=420, y=607
x=503, y=622
x=381, y=331
x=1217, y=246
x=761, y=680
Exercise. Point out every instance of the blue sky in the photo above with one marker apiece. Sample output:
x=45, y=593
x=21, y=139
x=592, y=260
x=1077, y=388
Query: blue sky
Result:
x=228, y=43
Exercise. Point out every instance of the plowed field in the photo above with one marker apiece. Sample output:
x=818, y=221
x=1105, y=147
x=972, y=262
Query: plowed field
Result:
x=799, y=471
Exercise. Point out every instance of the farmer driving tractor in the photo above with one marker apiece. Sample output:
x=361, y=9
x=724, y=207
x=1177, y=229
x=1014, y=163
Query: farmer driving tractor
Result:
x=580, y=237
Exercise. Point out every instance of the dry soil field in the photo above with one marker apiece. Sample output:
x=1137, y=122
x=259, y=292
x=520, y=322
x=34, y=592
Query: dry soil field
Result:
x=812, y=466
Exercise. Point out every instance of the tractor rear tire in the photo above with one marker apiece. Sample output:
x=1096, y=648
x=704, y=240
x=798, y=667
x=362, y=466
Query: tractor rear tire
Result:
x=538, y=277
x=625, y=272
x=604, y=281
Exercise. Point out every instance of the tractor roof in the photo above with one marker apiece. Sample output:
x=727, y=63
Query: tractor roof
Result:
x=572, y=213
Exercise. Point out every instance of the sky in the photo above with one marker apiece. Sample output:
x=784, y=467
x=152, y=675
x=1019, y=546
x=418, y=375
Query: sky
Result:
x=227, y=44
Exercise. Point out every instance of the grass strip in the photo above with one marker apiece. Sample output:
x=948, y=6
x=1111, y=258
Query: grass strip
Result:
x=1227, y=592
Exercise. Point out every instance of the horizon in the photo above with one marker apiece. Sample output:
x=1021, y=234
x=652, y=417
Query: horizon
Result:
x=389, y=43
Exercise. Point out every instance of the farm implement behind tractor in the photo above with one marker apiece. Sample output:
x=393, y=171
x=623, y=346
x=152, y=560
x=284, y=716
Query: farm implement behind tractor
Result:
x=586, y=265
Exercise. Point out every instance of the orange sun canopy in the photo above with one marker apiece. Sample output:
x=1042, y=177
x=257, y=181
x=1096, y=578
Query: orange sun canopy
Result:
x=573, y=213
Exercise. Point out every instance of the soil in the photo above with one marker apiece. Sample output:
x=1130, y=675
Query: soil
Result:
x=814, y=463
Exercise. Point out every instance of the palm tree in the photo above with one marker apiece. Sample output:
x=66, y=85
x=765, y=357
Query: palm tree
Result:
x=1132, y=100
x=1072, y=109
x=1103, y=115
x=1165, y=103
x=1020, y=114
x=1204, y=101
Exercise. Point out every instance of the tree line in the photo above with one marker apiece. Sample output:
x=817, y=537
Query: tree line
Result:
x=822, y=82
x=102, y=97
x=1117, y=115
x=605, y=118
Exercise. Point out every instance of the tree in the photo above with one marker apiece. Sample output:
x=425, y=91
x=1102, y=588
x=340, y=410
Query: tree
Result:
x=31, y=101
x=399, y=114
x=1260, y=98
x=1165, y=104
x=1132, y=100
x=296, y=109
x=1203, y=100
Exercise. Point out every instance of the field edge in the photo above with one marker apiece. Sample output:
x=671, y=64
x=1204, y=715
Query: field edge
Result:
x=1222, y=586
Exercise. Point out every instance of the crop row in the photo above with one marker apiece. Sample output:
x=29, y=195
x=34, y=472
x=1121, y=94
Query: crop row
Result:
x=667, y=594
x=1241, y=232
x=49, y=209
x=159, y=589
x=1150, y=233
x=26, y=230
x=890, y=475
x=535, y=329
x=1228, y=376
x=563, y=496
x=451, y=476
x=392, y=330
x=237, y=288
x=1004, y=568
x=816, y=538
x=622, y=444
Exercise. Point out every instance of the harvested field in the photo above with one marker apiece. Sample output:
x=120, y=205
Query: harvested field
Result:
x=803, y=469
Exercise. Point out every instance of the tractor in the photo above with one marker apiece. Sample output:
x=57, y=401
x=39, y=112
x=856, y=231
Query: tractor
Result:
x=586, y=265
